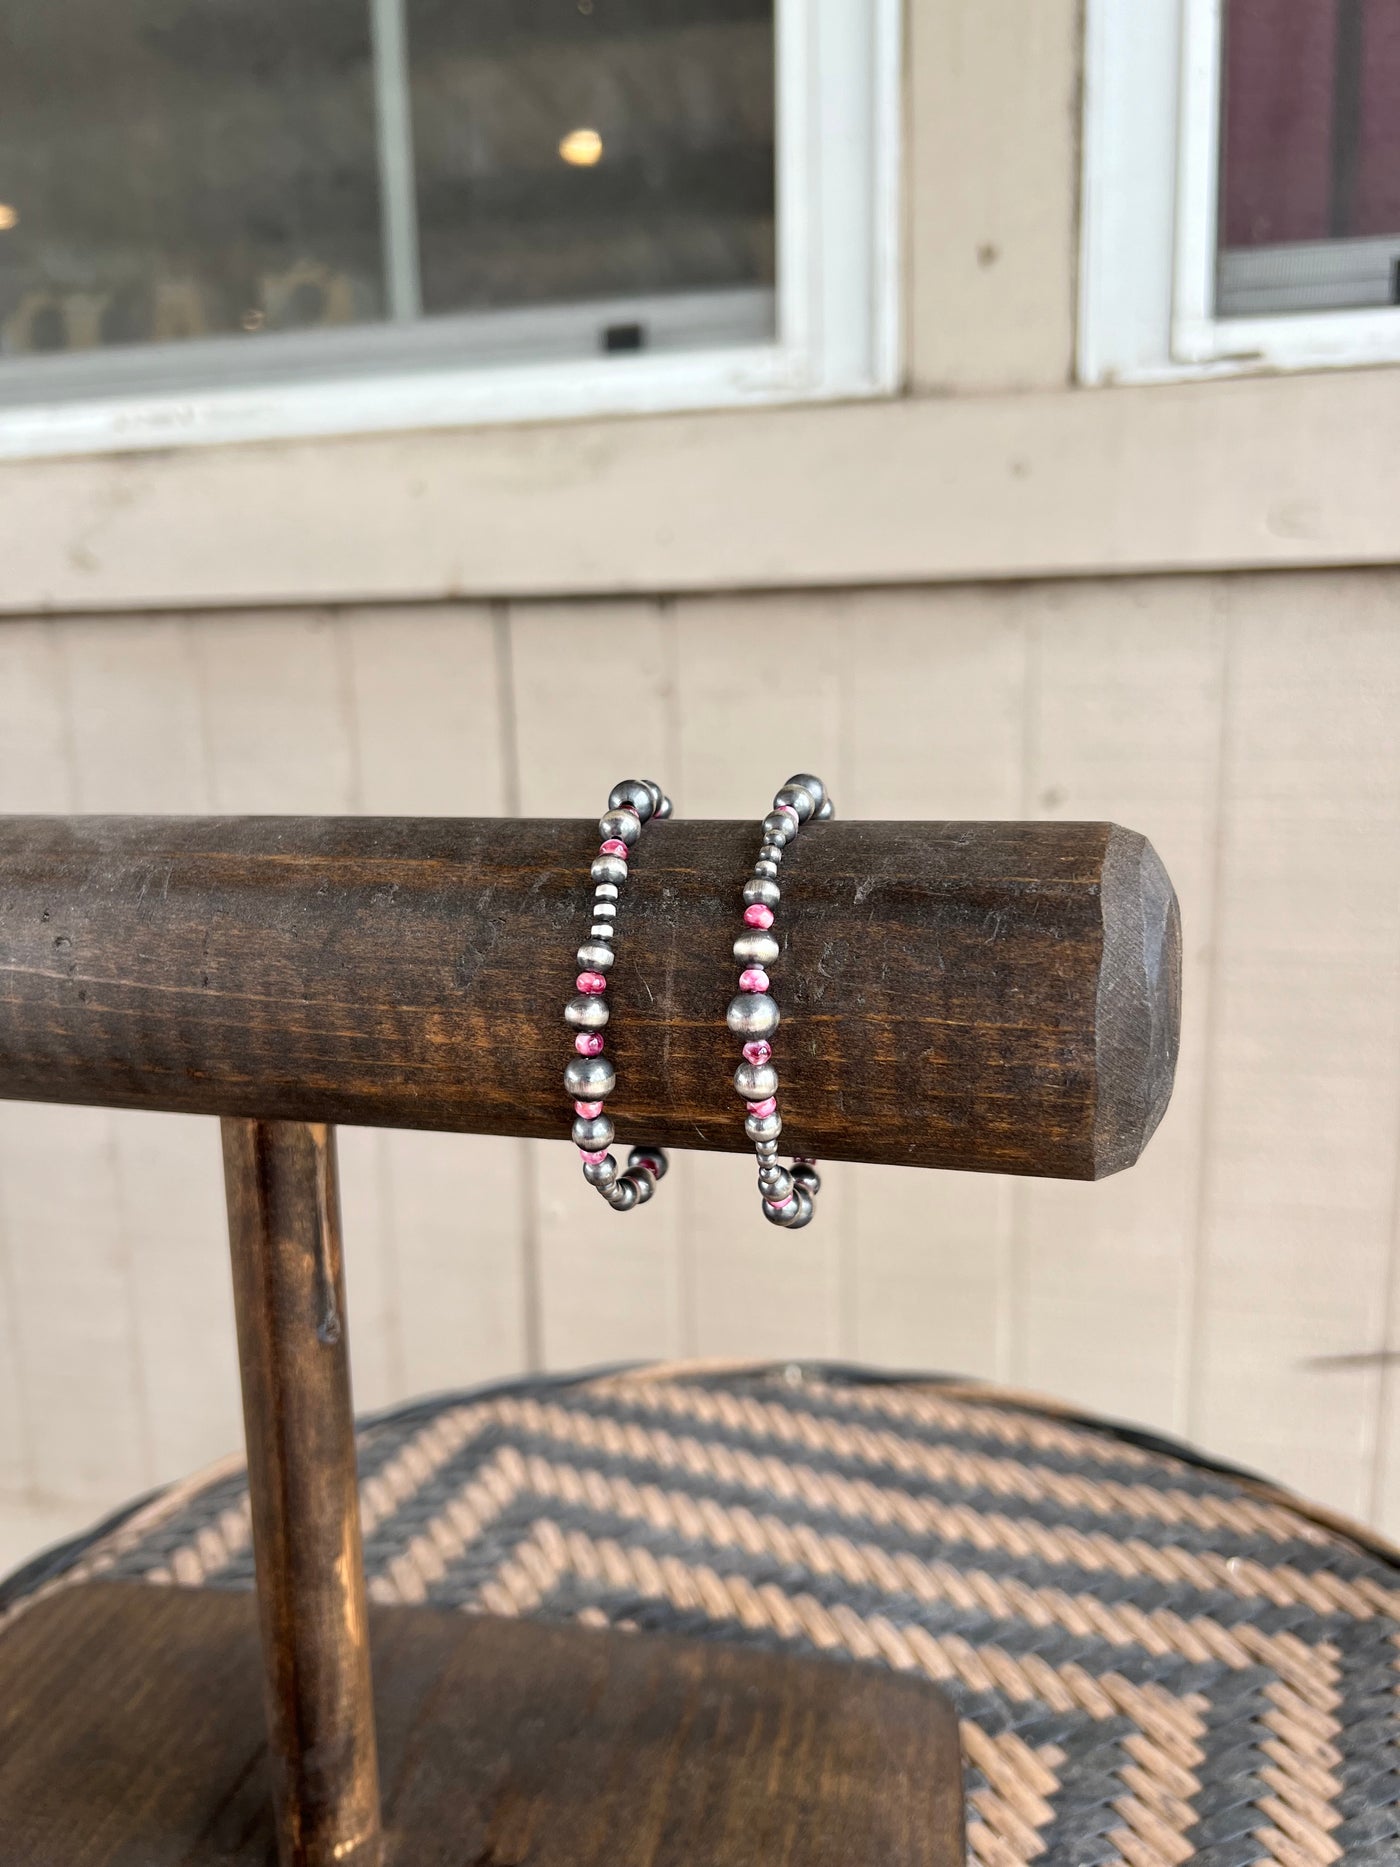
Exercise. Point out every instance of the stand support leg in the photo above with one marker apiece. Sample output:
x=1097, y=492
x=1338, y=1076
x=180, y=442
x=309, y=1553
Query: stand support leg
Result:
x=289, y=1296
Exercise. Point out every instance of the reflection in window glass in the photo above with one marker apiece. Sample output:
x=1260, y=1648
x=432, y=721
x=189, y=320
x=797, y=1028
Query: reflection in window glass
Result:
x=1310, y=156
x=183, y=169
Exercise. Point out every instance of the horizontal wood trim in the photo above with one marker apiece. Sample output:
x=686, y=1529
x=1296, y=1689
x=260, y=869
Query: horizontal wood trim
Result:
x=1254, y=473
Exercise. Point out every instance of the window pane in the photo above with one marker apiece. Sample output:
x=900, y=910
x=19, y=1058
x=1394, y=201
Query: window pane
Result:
x=586, y=149
x=173, y=170
x=1310, y=156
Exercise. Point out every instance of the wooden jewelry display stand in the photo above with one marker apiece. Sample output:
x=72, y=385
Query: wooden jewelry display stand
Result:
x=997, y=997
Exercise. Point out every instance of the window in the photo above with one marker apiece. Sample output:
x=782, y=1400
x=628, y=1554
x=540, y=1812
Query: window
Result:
x=231, y=219
x=1241, y=186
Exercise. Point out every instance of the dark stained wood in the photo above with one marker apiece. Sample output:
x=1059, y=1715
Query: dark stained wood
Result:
x=990, y=996
x=130, y=1736
x=289, y=1298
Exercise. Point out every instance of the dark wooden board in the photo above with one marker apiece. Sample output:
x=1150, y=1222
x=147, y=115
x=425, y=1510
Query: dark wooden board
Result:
x=991, y=996
x=131, y=1736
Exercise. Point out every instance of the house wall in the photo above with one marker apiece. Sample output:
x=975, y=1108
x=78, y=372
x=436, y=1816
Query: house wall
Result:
x=999, y=596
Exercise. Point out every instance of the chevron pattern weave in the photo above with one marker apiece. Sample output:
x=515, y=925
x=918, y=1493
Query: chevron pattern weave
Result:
x=1154, y=1661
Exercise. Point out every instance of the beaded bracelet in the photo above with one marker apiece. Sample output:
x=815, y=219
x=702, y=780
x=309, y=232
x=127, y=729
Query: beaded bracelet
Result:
x=590, y=1077
x=788, y=1194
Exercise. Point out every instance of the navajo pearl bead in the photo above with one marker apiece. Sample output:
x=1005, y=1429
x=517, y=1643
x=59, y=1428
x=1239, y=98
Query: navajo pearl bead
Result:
x=588, y=1044
x=768, y=1106
x=757, y=947
x=814, y=787
x=754, y=979
x=761, y=889
x=593, y=983
x=591, y=1132
x=586, y=1013
x=599, y=1169
x=756, y=1080
x=595, y=955
x=620, y=826
x=588, y=1109
x=796, y=798
x=610, y=871
x=633, y=794
x=758, y=914
x=613, y=847
x=751, y=1014
x=590, y=1077
x=758, y=1052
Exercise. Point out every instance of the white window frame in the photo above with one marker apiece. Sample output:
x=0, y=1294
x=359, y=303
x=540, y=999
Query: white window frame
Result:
x=838, y=65
x=1148, y=215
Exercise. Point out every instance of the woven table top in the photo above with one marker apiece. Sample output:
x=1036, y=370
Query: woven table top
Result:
x=1154, y=1660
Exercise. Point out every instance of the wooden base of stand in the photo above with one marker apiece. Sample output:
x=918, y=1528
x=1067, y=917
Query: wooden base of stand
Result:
x=132, y=1732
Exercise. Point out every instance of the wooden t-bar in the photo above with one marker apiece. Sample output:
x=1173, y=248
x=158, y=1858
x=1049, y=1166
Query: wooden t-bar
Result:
x=990, y=996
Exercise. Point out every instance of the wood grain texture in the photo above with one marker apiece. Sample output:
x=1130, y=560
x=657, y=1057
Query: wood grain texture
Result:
x=133, y=1739
x=944, y=984
x=293, y=1352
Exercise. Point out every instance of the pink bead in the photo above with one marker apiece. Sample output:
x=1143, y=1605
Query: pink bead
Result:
x=768, y=1106
x=588, y=1109
x=593, y=983
x=753, y=979
x=589, y=1044
x=757, y=915
x=613, y=847
x=759, y=1051
x=593, y=1159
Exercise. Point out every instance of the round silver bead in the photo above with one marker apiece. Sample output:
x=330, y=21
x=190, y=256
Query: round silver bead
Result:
x=586, y=1012
x=805, y=1209
x=769, y=852
x=622, y=1194
x=775, y=1181
x=800, y=799
x=825, y=813
x=596, y=955
x=600, y=1172
x=625, y=825
x=591, y=1132
x=752, y=1014
x=804, y=781
x=663, y=803
x=589, y=1079
x=609, y=869
x=765, y=892
x=766, y=1151
x=633, y=794
x=779, y=828
x=808, y=1177
x=605, y=891
x=780, y=1212
x=644, y=1184
x=649, y=1159
x=765, y=870
x=756, y=1127
x=754, y=1081
x=756, y=948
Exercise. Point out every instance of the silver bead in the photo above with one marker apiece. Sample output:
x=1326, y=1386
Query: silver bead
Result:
x=754, y=1081
x=605, y=909
x=780, y=1212
x=779, y=828
x=586, y=1012
x=808, y=1177
x=595, y=956
x=605, y=891
x=601, y=930
x=774, y=1183
x=756, y=1127
x=765, y=869
x=825, y=813
x=625, y=825
x=805, y=1209
x=651, y=1159
x=644, y=1184
x=622, y=1194
x=663, y=803
x=766, y=1151
x=600, y=1173
x=752, y=1014
x=762, y=890
x=800, y=799
x=815, y=789
x=589, y=1079
x=756, y=948
x=609, y=869
x=770, y=852
x=591, y=1132
x=633, y=794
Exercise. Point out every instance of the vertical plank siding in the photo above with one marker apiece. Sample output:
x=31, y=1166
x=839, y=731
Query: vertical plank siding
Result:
x=1246, y=724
